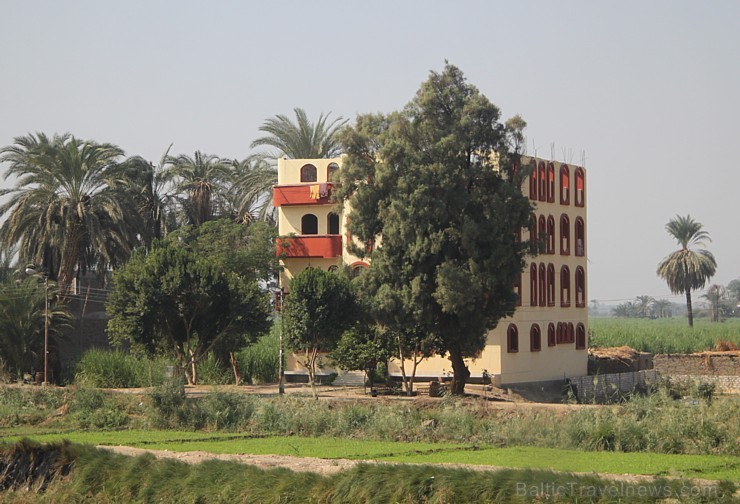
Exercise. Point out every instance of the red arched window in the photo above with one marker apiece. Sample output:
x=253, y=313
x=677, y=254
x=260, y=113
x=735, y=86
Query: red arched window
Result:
x=580, y=336
x=358, y=268
x=580, y=287
x=512, y=339
x=550, y=334
x=564, y=235
x=564, y=185
x=542, y=182
x=533, y=231
x=535, y=338
x=533, y=185
x=564, y=286
x=550, y=285
x=308, y=173
x=580, y=231
x=542, y=285
x=533, y=285
x=580, y=198
x=550, y=235
x=541, y=232
x=550, y=182
x=518, y=289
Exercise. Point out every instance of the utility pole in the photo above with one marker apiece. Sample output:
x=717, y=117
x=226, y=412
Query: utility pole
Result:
x=281, y=371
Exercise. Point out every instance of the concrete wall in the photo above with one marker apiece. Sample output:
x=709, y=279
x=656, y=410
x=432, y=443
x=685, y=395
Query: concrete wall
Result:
x=705, y=364
x=609, y=386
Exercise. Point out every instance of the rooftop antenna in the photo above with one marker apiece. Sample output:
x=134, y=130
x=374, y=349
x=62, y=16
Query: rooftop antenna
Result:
x=570, y=156
x=583, y=158
x=534, y=149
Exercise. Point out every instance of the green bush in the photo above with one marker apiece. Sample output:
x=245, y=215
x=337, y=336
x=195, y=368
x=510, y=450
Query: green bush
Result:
x=116, y=369
x=92, y=408
x=259, y=363
x=227, y=411
x=211, y=371
x=171, y=409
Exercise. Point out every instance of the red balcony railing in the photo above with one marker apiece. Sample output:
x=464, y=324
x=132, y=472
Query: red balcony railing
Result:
x=299, y=195
x=323, y=246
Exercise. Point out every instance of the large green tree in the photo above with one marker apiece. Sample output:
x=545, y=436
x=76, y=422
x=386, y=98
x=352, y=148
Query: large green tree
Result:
x=688, y=268
x=319, y=308
x=174, y=300
x=302, y=139
x=70, y=209
x=438, y=182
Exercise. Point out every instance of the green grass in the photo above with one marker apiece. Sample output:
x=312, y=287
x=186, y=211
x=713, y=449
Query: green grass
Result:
x=686, y=466
x=662, y=335
x=102, y=476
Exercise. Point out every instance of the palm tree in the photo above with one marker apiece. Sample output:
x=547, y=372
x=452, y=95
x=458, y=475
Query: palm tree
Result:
x=201, y=182
x=154, y=194
x=715, y=294
x=686, y=268
x=642, y=305
x=22, y=323
x=69, y=210
x=302, y=139
x=661, y=308
x=251, y=192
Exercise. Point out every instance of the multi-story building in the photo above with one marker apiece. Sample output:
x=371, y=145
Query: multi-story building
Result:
x=545, y=339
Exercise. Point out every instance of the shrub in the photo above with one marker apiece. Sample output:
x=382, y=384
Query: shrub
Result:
x=92, y=408
x=211, y=371
x=171, y=409
x=116, y=369
x=259, y=363
x=226, y=411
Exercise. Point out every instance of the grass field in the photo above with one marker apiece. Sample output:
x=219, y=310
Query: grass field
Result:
x=662, y=335
x=685, y=466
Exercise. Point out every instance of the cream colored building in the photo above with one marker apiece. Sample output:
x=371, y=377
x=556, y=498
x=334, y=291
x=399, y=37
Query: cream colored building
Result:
x=545, y=339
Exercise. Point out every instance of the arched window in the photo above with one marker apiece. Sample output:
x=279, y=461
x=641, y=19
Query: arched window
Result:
x=550, y=182
x=512, y=339
x=308, y=173
x=542, y=285
x=358, y=268
x=533, y=185
x=332, y=223
x=564, y=185
x=542, y=182
x=580, y=287
x=550, y=234
x=330, y=171
x=518, y=289
x=580, y=336
x=533, y=285
x=560, y=334
x=564, y=235
x=571, y=333
x=550, y=285
x=535, y=338
x=550, y=334
x=541, y=232
x=309, y=224
x=580, y=198
x=580, y=231
x=333, y=268
x=533, y=230
x=564, y=286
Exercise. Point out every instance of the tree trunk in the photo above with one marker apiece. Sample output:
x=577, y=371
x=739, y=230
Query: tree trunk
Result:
x=688, y=308
x=460, y=372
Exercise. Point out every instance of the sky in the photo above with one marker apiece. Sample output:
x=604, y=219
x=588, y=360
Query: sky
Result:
x=645, y=94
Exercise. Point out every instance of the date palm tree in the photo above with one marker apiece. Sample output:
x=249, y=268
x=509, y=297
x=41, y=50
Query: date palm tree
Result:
x=687, y=268
x=69, y=210
x=302, y=139
x=251, y=192
x=201, y=182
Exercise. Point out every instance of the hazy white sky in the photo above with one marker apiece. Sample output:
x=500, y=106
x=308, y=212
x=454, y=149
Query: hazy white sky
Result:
x=649, y=90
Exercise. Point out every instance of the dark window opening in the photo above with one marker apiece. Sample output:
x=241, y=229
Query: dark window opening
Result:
x=580, y=232
x=332, y=224
x=580, y=336
x=308, y=173
x=564, y=286
x=535, y=339
x=564, y=235
x=512, y=339
x=550, y=334
x=309, y=224
x=580, y=198
x=533, y=285
x=564, y=185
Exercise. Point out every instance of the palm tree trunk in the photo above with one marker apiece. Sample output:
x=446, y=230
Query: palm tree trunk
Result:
x=688, y=307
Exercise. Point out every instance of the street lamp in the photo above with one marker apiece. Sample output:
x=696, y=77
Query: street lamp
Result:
x=30, y=270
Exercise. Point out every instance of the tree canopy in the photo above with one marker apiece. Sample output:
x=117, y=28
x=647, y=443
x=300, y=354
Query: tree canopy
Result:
x=175, y=300
x=302, y=139
x=437, y=182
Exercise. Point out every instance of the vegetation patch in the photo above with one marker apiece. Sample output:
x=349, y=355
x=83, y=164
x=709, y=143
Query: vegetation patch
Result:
x=103, y=476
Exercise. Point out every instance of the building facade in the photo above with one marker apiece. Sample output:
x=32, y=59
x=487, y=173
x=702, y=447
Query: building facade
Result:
x=545, y=339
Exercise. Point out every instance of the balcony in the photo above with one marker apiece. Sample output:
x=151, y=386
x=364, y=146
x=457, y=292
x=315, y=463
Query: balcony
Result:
x=284, y=195
x=313, y=246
